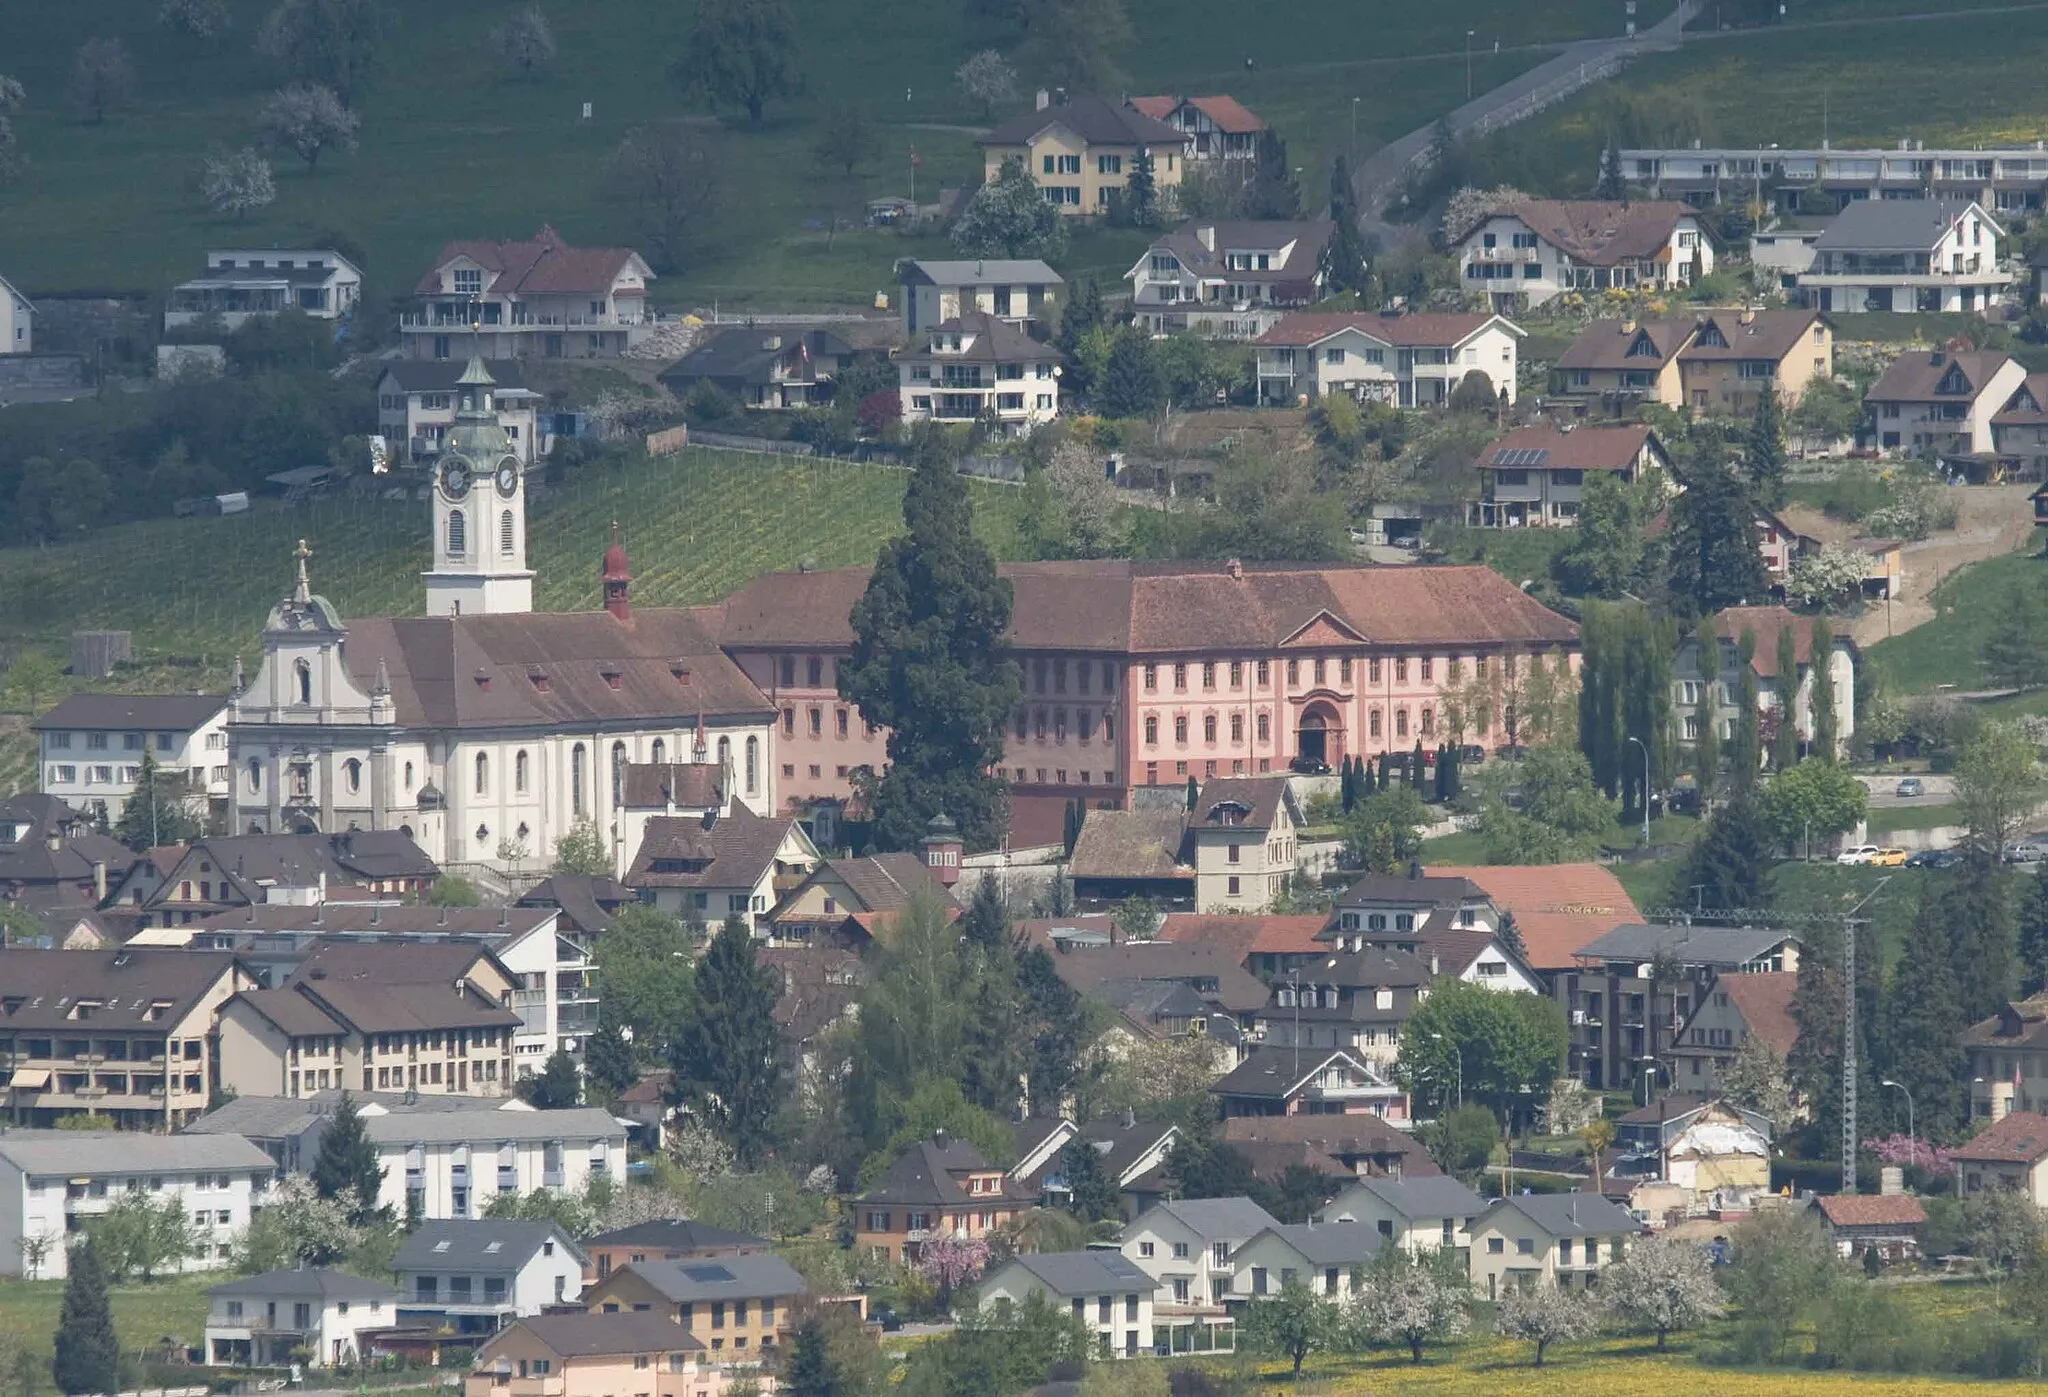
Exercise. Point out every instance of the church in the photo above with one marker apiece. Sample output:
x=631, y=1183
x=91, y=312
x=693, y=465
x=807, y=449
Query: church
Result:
x=485, y=730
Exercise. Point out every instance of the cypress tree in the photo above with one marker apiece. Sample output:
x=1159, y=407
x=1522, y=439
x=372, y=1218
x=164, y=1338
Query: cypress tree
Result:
x=1767, y=449
x=346, y=1167
x=1706, y=748
x=1194, y=792
x=931, y=664
x=998, y=1039
x=1923, y=1023
x=1610, y=188
x=1344, y=255
x=1366, y=785
x=986, y=923
x=1386, y=781
x=1511, y=935
x=1785, y=741
x=1347, y=786
x=1416, y=775
x=2033, y=934
x=608, y=1057
x=1092, y=1194
x=1455, y=781
x=1825, y=739
x=87, y=1358
x=725, y=1059
x=1443, y=773
x=1977, y=903
x=1745, y=754
x=1141, y=191
x=1273, y=194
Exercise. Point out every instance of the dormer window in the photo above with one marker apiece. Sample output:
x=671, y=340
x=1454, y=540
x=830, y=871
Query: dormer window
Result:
x=611, y=678
x=468, y=281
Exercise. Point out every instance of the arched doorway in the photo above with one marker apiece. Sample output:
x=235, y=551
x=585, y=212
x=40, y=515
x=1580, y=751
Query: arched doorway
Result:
x=1320, y=736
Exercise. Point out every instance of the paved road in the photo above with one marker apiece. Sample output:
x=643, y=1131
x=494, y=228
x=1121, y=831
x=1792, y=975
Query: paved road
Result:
x=1941, y=790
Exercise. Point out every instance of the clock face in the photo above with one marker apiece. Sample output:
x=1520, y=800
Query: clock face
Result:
x=508, y=478
x=455, y=479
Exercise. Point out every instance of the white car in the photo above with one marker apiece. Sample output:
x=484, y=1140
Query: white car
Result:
x=1862, y=853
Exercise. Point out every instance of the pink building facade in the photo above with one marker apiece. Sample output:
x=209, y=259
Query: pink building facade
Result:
x=1149, y=673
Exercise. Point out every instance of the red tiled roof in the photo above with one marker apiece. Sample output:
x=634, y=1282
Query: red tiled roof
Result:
x=1871, y=1209
x=1247, y=935
x=1766, y=1004
x=542, y=265
x=1312, y=327
x=1226, y=113
x=1601, y=234
x=1764, y=622
x=2018, y=1137
x=1559, y=908
x=1581, y=448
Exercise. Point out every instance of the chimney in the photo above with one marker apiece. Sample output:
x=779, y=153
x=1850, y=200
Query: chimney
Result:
x=1628, y=327
x=1044, y=99
x=1749, y=315
x=99, y=880
x=1206, y=236
x=1235, y=567
x=1414, y=868
x=939, y=1137
x=1891, y=1181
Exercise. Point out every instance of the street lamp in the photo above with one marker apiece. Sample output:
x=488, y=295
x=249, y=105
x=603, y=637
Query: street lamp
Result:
x=1354, y=126
x=1646, y=788
x=1912, y=1126
x=1458, y=1054
x=1650, y=1077
x=1468, y=63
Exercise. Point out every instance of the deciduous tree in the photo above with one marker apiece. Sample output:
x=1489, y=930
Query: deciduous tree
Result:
x=669, y=176
x=1411, y=1299
x=1755, y=1077
x=308, y=120
x=1077, y=44
x=1997, y=779
x=1785, y=736
x=337, y=43
x=201, y=19
x=141, y=1235
x=524, y=41
x=1543, y=1314
x=1543, y=809
x=1009, y=217
x=1609, y=547
x=930, y=663
x=580, y=853
x=1812, y=799
x=987, y=79
x=1499, y=1044
x=236, y=182
x=102, y=79
x=1662, y=1284
x=740, y=54
x=645, y=962
x=1293, y=1324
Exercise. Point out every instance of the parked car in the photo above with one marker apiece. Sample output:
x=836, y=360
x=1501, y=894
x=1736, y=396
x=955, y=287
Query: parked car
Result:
x=2026, y=852
x=1934, y=858
x=1309, y=766
x=1471, y=754
x=1511, y=751
x=1888, y=858
x=1861, y=854
x=1910, y=786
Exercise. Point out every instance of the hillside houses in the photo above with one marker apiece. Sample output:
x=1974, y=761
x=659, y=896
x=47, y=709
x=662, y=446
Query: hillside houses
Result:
x=1533, y=251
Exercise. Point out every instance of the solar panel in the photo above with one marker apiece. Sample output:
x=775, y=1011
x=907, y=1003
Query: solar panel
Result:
x=707, y=1275
x=1520, y=456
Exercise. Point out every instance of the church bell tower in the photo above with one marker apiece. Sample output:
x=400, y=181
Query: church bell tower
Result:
x=479, y=511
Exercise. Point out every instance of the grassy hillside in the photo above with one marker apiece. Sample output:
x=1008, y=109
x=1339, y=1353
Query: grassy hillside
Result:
x=1948, y=652
x=451, y=147
x=1873, y=83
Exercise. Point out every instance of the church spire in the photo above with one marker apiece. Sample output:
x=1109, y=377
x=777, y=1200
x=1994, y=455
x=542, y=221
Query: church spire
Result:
x=700, y=750
x=618, y=578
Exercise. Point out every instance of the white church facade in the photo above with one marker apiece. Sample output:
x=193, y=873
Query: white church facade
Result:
x=485, y=730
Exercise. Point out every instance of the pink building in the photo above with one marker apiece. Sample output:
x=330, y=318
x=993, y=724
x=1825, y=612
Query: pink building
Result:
x=1148, y=673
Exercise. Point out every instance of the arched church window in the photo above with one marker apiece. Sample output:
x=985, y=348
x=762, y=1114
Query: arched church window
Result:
x=408, y=776
x=456, y=533
x=659, y=751
x=519, y=771
x=618, y=774
x=302, y=681
x=576, y=780
x=725, y=754
x=483, y=773
x=255, y=775
x=352, y=773
x=505, y=533
x=753, y=764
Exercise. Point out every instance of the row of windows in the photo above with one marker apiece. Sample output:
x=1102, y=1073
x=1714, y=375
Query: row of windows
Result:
x=352, y=770
x=130, y=741
x=1035, y=720
x=1059, y=776
x=1425, y=726
x=458, y=534
x=1320, y=668
x=1055, y=671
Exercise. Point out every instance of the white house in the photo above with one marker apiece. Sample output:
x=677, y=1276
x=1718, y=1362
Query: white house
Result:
x=1530, y=252
x=1017, y=290
x=476, y=1276
x=1108, y=1294
x=1420, y=1214
x=279, y=1319
x=1186, y=1246
x=1447, y=922
x=346, y=726
x=979, y=364
x=1324, y=1256
x=17, y=320
x=93, y=744
x=53, y=1183
x=540, y=298
x=1228, y=280
x=240, y=284
x=1563, y=1239
x=1707, y=676
x=416, y=406
x=448, y=1165
x=709, y=865
x=1941, y=403
x=1907, y=255
x=1407, y=360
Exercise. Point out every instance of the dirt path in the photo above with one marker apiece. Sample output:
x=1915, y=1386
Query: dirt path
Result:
x=1990, y=520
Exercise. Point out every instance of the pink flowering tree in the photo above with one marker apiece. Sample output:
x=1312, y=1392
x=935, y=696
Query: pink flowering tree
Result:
x=950, y=1262
x=1903, y=1150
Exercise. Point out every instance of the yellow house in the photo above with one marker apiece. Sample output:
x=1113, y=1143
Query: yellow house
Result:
x=1080, y=152
x=1615, y=364
x=1734, y=354
x=593, y=1355
x=736, y=1306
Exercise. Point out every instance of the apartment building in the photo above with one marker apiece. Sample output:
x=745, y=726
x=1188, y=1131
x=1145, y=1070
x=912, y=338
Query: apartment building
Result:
x=1561, y=1239
x=93, y=745
x=978, y=367
x=1186, y=1247
x=1108, y=1295
x=243, y=284
x=1907, y=255
x=55, y=1183
x=477, y=1275
x=1023, y=292
x=1324, y=1256
x=279, y=1319
x=1419, y=1214
x=540, y=298
x=127, y=1033
x=2008, y=178
x=1407, y=359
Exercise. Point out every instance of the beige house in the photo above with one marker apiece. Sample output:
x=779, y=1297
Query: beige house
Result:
x=1242, y=829
x=735, y=1306
x=2011, y=1152
x=1419, y=1214
x=540, y=298
x=427, y=1018
x=1409, y=360
x=586, y=1355
x=125, y=1032
x=1716, y=362
x=1563, y=1239
x=1324, y=1256
x=1081, y=153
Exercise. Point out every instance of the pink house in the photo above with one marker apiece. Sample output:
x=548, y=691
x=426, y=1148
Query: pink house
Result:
x=1149, y=673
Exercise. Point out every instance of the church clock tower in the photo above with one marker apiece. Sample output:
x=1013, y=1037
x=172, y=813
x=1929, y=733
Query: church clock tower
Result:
x=479, y=511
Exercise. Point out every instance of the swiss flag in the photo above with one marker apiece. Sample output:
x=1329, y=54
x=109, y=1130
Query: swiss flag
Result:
x=915, y=159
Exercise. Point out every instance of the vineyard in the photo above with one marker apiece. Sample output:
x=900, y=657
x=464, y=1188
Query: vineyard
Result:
x=195, y=591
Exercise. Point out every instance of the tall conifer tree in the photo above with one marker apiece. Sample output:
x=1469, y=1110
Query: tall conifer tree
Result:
x=346, y=1167
x=1785, y=741
x=87, y=1358
x=725, y=1058
x=1826, y=739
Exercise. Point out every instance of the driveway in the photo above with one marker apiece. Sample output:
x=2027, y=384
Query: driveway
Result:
x=1941, y=790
